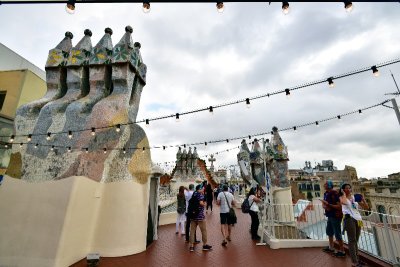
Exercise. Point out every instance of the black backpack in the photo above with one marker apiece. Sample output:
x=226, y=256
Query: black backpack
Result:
x=246, y=205
x=194, y=206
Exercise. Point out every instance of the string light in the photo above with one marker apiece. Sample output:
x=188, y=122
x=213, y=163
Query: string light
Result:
x=227, y=140
x=29, y=137
x=146, y=6
x=375, y=71
x=347, y=74
x=69, y=149
x=285, y=8
x=93, y=131
x=247, y=103
x=12, y=138
x=6, y=145
x=36, y=146
x=211, y=110
x=147, y=122
x=348, y=6
x=21, y=145
x=143, y=149
x=118, y=129
x=70, y=7
x=317, y=123
x=281, y=130
x=163, y=147
x=295, y=128
x=70, y=134
x=177, y=117
x=87, y=150
x=331, y=84
x=105, y=150
x=48, y=136
x=52, y=148
x=220, y=7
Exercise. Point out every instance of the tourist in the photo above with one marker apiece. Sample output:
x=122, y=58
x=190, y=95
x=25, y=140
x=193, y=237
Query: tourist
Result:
x=181, y=208
x=333, y=211
x=352, y=221
x=188, y=196
x=225, y=200
x=254, y=209
x=209, y=195
x=199, y=220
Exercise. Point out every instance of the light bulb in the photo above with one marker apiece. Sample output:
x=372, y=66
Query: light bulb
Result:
x=147, y=122
x=375, y=71
x=211, y=109
x=330, y=82
x=29, y=137
x=52, y=148
x=86, y=150
x=247, y=103
x=146, y=7
x=36, y=146
x=93, y=131
x=285, y=8
x=105, y=150
x=48, y=136
x=124, y=150
x=70, y=134
x=70, y=7
x=69, y=149
x=118, y=129
x=348, y=6
x=177, y=117
x=21, y=145
x=220, y=7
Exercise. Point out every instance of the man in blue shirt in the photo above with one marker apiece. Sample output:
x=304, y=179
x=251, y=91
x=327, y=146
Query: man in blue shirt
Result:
x=333, y=211
x=199, y=220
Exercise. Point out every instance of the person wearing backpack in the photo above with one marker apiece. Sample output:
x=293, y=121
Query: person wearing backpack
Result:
x=196, y=212
x=333, y=212
x=255, y=222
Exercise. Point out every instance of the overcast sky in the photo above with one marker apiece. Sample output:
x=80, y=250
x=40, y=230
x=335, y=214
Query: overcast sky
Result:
x=197, y=57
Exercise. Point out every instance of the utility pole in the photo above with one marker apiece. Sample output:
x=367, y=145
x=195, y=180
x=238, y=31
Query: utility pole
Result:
x=395, y=107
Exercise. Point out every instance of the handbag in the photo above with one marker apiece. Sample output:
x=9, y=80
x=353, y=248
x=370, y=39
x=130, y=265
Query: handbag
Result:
x=232, y=219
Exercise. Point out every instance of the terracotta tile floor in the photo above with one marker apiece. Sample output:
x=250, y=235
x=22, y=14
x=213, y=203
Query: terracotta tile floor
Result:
x=171, y=250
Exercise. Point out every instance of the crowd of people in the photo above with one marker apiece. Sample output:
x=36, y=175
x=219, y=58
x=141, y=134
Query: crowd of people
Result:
x=341, y=209
x=191, y=216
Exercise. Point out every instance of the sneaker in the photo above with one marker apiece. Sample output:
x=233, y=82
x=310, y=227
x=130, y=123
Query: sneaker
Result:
x=191, y=249
x=197, y=241
x=207, y=247
x=328, y=250
x=224, y=243
x=339, y=254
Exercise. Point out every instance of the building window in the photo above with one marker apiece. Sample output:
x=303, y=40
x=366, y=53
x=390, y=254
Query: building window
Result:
x=2, y=98
x=317, y=187
x=317, y=194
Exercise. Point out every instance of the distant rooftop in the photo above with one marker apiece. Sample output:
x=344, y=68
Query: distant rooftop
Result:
x=11, y=60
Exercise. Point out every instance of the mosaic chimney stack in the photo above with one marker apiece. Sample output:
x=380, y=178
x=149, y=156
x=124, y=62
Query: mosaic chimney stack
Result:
x=88, y=87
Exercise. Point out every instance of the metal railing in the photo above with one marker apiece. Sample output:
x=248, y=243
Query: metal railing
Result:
x=380, y=233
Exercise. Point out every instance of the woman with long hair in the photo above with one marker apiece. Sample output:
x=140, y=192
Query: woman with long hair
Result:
x=181, y=208
x=255, y=222
x=352, y=221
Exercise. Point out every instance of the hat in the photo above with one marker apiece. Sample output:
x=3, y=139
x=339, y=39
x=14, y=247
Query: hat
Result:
x=329, y=184
x=199, y=187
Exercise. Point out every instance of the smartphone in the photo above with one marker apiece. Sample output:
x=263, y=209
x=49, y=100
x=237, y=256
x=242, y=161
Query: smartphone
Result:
x=358, y=197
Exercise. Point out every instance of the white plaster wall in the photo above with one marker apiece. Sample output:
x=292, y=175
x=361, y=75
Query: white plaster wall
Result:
x=57, y=223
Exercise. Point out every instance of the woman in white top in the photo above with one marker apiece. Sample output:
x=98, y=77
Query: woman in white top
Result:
x=352, y=221
x=255, y=222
